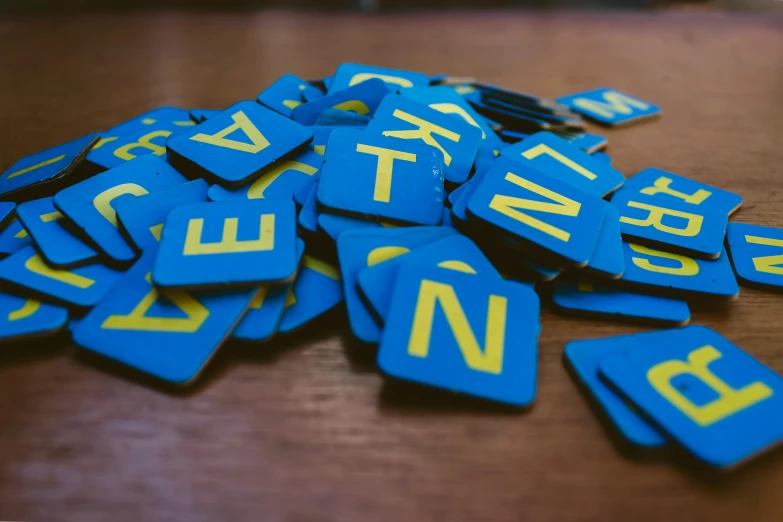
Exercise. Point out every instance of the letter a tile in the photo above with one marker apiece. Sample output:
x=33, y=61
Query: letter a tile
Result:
x=237, y=145
x=225, y=244
x=90, y=204
x=717, y=401
x=170, y=335
x=464, y=333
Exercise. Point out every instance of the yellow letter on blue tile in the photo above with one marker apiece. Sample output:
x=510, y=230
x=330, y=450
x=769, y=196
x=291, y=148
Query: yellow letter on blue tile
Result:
x=80, y=287
x=556, y=157
x=280, y=182
x=757, y=254
x=350, y=74
x=362, y=99
x=90, y=204
x=540, y=210
x=244, y=243
x=237, y=145
x=21, y=317
x=170, y=335
x=382, y=178
x=714, y=399
x=458, y=140
x=465, y=333
x=287, y=92
x=609, y=106
x=60, y=248
x=40, y=173
x=677, y=275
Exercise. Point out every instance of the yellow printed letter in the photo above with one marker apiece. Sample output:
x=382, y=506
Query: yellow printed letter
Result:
x=614, y=103
x=655, y=218
x=256, y=190
x=540, y=149
x=767, y=263
x=490, y=360
x=563, y=206
x=36, y=265
x=688, y=266
x=145, y=142
x=138, y=319
x=424, y=132
x=102, y=202
x=661, y=185
x=729, y=400
x=363, y=77
x=383, y=172
x=229, y=243
x=241, y=121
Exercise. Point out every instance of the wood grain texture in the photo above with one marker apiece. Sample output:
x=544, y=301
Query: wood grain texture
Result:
x=303, y=430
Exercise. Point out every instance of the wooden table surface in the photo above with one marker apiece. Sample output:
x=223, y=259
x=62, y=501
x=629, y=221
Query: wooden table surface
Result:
x=302, y=430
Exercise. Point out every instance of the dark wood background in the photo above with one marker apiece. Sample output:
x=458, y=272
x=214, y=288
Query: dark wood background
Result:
x=302, y=430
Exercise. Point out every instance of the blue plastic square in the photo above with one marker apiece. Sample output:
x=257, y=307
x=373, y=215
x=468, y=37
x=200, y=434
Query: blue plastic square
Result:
x=308, y=214
x=382, y=178
x=607, y=259
x=81, y=287
x=280, y=182
x=556, y=157
x=714, y=399
x=583, y=357
x=60, y=248
x=609, y=106
x=237, y=145
x=446, y=100
x=458, y=140
x=287, y=92
x=358, y=249
x=350, y=74
x=333, y=226
x=757, y=254
x=538, y=209
x=250, y=242
x=45, y=167
x=692, y=231
x=590, y=143
x=266, y=310
x=142, y=217
x=678, y=275
x=170, y=335
x=143, y=135
x=457, y=252
x=13, y=238
x=673, y=189
x=605, y=302
x=6, y=213
x=22, y=318
x=302, y=192
x=89, y=204
x=363, y=99
x=463, y=333
x=317, y=290
x=603, y=156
